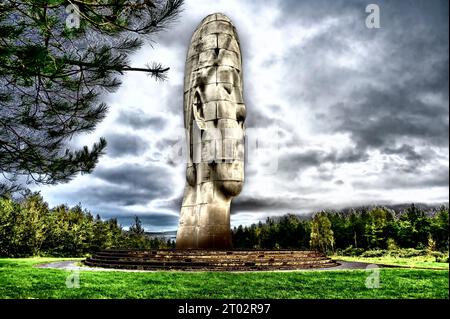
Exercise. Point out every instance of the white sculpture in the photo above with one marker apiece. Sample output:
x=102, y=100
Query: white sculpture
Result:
x=214, y=114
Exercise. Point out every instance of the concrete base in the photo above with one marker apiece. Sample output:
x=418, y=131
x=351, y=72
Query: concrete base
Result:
x=210, y=260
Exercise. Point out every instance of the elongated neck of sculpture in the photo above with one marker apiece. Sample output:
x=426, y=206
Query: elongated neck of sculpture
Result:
x=205, y=218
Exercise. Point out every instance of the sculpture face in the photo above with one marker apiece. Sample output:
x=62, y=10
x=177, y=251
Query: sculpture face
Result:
x=214, y=114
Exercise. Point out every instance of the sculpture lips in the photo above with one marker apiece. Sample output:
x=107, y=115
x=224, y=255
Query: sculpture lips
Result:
x=214, y=115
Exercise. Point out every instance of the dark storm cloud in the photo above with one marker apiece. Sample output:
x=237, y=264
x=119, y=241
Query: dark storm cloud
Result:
x=125, y=144
x=347, y=155
x=172, y=204
x=116, y=195
x=129, y=184
x=140, y=120
x=397, y=178
x=256, y=118
x=261, y=203
x=410, y=153
x=411, y=11
x=138, y=177
x=411, y=63
x=294, y=161
x=383, y=117
x=312, y=11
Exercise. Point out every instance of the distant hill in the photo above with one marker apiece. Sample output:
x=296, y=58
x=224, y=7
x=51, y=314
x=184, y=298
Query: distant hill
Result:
x=396, y=208
x=399, y=208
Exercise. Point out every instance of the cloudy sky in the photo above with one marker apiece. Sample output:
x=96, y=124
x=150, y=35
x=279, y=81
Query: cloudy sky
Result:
x=356, y=115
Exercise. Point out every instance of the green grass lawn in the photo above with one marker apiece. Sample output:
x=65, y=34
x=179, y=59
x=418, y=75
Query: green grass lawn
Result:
x=412, y=262
x=19, y=279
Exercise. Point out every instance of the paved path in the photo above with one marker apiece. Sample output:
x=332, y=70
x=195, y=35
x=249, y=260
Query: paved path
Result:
x=72, y=265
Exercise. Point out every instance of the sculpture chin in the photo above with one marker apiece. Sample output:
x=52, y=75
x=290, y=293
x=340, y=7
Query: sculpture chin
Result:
x=231, y=188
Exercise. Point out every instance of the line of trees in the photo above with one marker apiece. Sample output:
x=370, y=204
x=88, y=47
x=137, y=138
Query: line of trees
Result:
x=374, y=228
x=29, y=228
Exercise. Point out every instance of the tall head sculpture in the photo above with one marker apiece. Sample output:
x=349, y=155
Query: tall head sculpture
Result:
x=214, y=114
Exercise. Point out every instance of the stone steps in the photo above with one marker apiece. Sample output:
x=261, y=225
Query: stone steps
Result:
x=182, y=256
x=206, y=259
x=209, y=261
x=207, y=252
x=236, y=260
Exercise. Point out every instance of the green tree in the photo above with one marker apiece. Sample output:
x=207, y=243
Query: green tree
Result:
x=357, y=224
x=136, y=228
x=99, y=235
x=378, y=227
x=287, y=230
x=322, y=237
x=391, y=244
x=238, y=237
x=268, y=233
x=431, y=246
x=414, y=228
x=114, y=234
x=36, y=212
x=30, y=228
x=304, y=234
x=8, y=218
x=136, y=235
x=342, y=230
x=439, y=228
x=52, y=75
